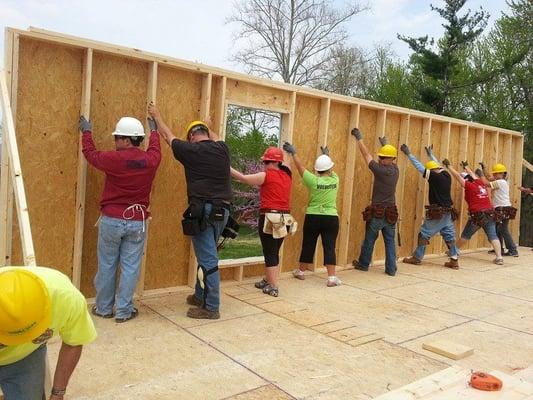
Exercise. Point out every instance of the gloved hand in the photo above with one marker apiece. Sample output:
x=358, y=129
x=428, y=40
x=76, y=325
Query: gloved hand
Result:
x=429, y=150
x=383, y=140
x=482, y=165
x=85, y=125
x=152, y=124
x=479, y=172
x=446, y=163
x=405, y=149
x=289, y=148
x=464, y=164
x=357, y=133
x=324, y=150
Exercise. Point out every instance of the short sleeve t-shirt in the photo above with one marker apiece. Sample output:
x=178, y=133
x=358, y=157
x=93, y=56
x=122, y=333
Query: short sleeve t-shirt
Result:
x=440, y=184
x=500, y=193
x=322, y=193
x=70, y=318
x=207, y=168
x=385, y=180
x=477, y=196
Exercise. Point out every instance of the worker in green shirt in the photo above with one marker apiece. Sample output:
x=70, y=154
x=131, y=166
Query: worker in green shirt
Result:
x=321, y=217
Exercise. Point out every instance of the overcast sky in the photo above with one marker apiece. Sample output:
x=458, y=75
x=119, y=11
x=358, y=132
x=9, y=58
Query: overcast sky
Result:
x=197, y=31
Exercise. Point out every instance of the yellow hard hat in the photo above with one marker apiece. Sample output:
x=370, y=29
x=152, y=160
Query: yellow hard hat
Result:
x=432, y=164
x=498, y=168
x=195, y=124
x=25, y=311
x=388, y=151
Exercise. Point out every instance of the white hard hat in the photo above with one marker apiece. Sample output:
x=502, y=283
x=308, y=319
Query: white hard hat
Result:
x=129, y=126
x=323, y=163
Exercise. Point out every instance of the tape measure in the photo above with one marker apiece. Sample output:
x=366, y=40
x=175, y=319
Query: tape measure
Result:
x=484, y=381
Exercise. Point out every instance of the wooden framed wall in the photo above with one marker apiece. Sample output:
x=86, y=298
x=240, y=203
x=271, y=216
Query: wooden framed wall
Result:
x=59, y=76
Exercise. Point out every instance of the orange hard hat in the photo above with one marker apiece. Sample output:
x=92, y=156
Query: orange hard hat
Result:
x=273, y=154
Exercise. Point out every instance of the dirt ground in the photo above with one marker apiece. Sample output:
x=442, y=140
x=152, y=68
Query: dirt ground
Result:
x=355, y=341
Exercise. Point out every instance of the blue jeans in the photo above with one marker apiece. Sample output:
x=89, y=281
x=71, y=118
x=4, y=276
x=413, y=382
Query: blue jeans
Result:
x=205, y=249
x=372, y=231
x=471, y=228
x=24, y=379
x=430, y=228
x=119, y=240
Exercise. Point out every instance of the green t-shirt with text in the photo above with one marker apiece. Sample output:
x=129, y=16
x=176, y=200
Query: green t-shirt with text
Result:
x=322, y=193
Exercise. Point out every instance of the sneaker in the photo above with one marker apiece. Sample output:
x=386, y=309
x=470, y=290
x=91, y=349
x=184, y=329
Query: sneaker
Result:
x=333, y=281
x=271, y=290
x=510, y=254
x=298, y=274
x=491, y=251
x=133, y=314
x=194, y=301
x=94, y=311
x=358, y=266
x=202, y=313
x=453, y=264
x=498, y=261
x=412, y=260
x=261, y=284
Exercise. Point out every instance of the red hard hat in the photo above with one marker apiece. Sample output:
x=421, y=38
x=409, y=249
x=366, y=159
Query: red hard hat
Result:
x=273, y=154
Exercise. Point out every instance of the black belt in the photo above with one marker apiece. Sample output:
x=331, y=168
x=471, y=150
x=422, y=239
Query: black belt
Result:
x=269, y=210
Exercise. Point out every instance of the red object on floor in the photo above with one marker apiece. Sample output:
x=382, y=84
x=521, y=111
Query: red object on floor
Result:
x=484, y=381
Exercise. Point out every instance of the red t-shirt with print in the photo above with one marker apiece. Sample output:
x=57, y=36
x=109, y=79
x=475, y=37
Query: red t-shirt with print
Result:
x=477, y=196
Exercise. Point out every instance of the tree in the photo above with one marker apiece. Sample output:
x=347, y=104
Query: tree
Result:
x=289, y=39
x=439, y=64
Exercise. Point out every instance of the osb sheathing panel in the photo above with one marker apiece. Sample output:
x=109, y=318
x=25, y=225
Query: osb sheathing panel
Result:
x=49, y=96
x=305, y=138
x=167, y=259
x=119, y=88
x=363, y=179
x=338, y=140
x=216, y=98
x=256, y=96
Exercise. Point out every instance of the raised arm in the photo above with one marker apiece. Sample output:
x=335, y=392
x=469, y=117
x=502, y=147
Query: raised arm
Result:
x=164, y=130
x=251, y=179
x=417, y=164
x=291, y=151
x=362, y=148
x=454, y=172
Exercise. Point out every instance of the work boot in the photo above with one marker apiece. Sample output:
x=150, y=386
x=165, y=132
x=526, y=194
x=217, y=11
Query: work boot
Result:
x=202, y=313
x=510, y=254
x=194, y=301
x=453, y=264
x=498, y=261
x=358, y=266
x=412, y=260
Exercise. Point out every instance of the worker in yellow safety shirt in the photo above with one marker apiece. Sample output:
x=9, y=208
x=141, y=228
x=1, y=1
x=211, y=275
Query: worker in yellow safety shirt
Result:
x=35, y=304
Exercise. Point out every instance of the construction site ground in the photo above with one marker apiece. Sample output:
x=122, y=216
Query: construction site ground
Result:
x=356, y=341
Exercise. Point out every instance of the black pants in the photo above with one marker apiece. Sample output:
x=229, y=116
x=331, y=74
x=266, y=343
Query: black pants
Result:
x=270, y=245
x=325, y=226
x=502, y=230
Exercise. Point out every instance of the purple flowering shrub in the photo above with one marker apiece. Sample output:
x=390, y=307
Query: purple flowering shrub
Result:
x=246, y=197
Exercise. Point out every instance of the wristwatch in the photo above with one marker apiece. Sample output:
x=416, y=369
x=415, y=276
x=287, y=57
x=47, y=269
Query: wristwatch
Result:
x=58, y=392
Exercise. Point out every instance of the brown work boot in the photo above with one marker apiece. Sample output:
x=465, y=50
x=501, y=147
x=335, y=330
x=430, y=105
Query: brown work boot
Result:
x=453, y=264
x=194, y=301
x=202, y=313
x=412, y=260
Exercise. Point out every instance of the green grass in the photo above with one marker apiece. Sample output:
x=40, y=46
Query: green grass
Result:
x=247, y=244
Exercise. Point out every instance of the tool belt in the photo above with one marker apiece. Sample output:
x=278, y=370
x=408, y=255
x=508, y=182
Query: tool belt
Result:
x=194, y=219
x=434, y=211
x=279, y=224
x=390, y=213
x=481, y=218
x=505, y=213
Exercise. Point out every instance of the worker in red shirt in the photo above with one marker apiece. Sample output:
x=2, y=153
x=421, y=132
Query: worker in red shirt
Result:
x=480, y=209
x=275, y=184
x=129, y=173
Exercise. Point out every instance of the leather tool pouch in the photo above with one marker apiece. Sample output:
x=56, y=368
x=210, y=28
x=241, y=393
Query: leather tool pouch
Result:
x=480, y=218
x=391, y=214
x=434, y=212
x=193, y=221
x=367, y=214
x=378, y=211
x=454, y=213
x=510, y=212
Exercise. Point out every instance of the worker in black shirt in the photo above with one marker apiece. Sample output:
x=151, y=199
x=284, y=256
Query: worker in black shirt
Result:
x=440, y=213
x=206, y=160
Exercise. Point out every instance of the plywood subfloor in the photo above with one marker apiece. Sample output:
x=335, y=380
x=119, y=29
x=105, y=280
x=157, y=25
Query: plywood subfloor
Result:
x=357, y=341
